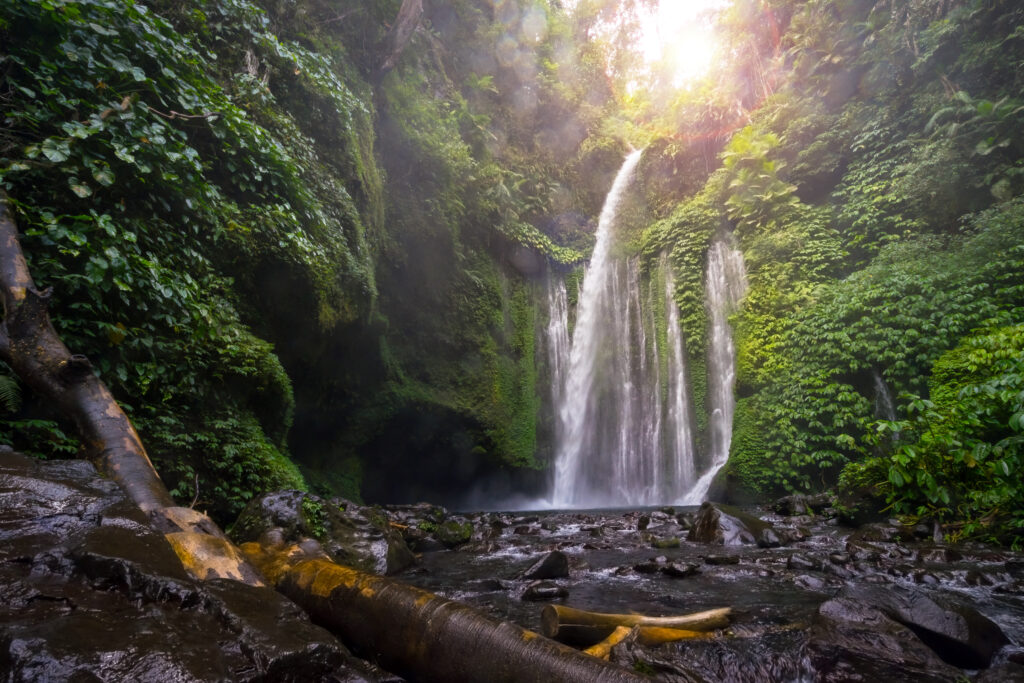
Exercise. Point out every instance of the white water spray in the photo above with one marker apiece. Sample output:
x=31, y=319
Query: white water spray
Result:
x=618, y=440
x=725, y=285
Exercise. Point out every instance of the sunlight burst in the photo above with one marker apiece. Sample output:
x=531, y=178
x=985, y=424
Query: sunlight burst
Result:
x=677, y=35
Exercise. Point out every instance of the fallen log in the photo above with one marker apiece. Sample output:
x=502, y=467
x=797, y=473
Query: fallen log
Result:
x=420, y=635
x=581, y=628
x=603, y=649
x=649, y=636
x=644, y=635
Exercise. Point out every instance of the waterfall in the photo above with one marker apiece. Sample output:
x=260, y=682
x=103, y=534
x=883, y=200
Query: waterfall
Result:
x=624, y=432
x=621, y=438
x=557, y=336
x=726, y=284
x=680, y=431
x=885, y=407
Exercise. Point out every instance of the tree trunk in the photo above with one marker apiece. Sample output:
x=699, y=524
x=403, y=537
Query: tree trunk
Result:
x=579, y=627
x=419, y=635
x=30, y=345
x=399, y=36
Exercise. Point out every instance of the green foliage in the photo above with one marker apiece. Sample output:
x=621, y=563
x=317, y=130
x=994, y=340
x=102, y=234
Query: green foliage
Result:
x=222, y=460
x=957, y=458
x=685, y=236
x=894, y=318
x=193, y=151
x=758, y=196
x=860, y=193
x=10, y=392
x=313, y=516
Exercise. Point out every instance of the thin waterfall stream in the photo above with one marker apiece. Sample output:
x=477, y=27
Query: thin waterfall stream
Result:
x=726, y=283
x=624, y=425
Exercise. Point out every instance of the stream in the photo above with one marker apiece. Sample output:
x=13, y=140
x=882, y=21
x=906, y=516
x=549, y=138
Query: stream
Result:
x=776, y=592
x=90, y=591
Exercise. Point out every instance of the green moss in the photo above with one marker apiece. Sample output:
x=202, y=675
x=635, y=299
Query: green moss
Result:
x=698, y=384
x=751, y=467
x=453, y=533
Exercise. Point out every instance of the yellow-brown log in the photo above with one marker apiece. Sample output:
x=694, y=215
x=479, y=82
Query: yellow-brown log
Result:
x=656, y=635
x=582, y=628
x=603, y=649
x=419, y=635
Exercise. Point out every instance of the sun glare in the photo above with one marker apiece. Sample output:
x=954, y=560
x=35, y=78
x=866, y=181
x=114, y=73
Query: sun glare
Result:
x=678, y=35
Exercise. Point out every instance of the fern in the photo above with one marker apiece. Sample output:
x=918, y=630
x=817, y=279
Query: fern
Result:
x=10, y=394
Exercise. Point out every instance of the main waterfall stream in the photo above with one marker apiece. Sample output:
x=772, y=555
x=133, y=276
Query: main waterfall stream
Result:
x=625, y=425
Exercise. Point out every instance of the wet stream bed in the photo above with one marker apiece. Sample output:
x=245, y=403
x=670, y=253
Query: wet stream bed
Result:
x=828, y=603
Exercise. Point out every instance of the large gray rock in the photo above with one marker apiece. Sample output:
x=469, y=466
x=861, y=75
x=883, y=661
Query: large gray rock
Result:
x=958, y=633
x=875, y=633
x=88, y=591
x=554, y=565
x=353, y=535
x=718, y=524
x=854, y=642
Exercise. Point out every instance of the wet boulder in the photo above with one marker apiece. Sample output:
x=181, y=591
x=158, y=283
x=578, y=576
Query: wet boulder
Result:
x=894, y=634
x=958, y=633
x=881, y=532
x=680, y=570
x=802, y=504
x=554, y=565
x=718, y=524
x=853, y=641
x=544, y=590
x=353, y=535
x=454, y=532
x=767, y=538
x=88, y=591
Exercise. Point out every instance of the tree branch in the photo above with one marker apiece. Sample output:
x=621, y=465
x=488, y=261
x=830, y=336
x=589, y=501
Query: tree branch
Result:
x=399, y=36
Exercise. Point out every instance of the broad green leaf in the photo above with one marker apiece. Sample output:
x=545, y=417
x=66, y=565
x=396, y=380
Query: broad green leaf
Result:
x=56, y=150
x=104, y=176
x=79, y=188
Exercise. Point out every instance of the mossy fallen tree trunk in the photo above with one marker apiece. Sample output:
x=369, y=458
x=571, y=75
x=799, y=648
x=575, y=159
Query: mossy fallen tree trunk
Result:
x=30, y=345
x=582, y=628
x=421, y=635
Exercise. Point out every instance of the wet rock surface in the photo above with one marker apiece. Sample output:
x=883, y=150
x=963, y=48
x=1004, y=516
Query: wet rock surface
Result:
x=718, y=524
x=89, y=592
x=826, y=603
x=353, y=535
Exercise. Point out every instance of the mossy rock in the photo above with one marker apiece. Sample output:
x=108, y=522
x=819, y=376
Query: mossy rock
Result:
x=454, y=533
x=353, y=535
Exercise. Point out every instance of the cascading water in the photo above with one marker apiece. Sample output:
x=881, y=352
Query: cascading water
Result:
x=618, y=442
x=557, y=336
x=885, y=407
x=726, y=284
x=624, y=431
x=681, y=437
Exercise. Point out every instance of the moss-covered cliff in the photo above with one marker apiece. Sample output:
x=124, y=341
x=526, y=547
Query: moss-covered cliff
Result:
x=247, y=222
x=875, y=192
